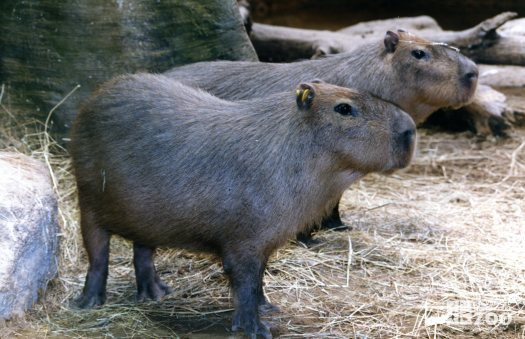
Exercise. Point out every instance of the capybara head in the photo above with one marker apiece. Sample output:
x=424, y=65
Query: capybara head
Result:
x=437, y=73
x=367, y=134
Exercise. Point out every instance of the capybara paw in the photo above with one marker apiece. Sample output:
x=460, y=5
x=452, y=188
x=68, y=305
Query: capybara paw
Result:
x=268, y=308
x=88, y=301
x=252, y=327
x=333, y=223
x=153, y=291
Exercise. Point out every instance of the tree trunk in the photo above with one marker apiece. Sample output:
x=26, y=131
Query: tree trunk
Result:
x=49, y=47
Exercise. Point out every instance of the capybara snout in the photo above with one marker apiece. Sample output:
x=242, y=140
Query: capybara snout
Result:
x=404, y=131
x=372, y=135
x=469, y=77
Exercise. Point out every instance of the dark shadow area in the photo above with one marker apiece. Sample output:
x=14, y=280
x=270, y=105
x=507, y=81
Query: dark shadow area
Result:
x=450, y=121
x=334, y=14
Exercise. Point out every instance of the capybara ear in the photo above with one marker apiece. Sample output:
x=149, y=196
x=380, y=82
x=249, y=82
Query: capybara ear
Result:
x=305, y=94
x=318, y=81
x=391, y=41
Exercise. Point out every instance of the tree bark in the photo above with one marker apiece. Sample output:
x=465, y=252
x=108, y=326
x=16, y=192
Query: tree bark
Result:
x=49, y=47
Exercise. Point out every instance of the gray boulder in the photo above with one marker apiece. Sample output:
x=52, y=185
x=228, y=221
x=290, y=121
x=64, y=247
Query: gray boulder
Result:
x=28, y=232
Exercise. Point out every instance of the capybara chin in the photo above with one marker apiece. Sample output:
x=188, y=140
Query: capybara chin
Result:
x=163, y=164
x=417, y=75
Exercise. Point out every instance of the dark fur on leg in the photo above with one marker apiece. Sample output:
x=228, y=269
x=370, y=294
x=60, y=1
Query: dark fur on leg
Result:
x=149, y=285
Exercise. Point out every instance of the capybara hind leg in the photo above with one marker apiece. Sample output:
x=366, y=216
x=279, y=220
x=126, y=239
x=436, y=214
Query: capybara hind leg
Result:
x=306, y=237
x=245, y=279
x=96, y=241
x=149, y=285
x=333, y=220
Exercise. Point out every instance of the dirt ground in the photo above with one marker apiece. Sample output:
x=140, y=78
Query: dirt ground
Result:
x=436, y=250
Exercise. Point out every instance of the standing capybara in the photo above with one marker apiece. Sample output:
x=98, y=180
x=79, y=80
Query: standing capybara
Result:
x=163, y=164
x=417, y=75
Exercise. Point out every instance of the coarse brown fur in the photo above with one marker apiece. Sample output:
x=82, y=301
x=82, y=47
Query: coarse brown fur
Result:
x=163, y=164
x=388, y=69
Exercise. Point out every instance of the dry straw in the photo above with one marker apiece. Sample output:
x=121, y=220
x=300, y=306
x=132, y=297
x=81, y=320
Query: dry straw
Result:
x=435, y=251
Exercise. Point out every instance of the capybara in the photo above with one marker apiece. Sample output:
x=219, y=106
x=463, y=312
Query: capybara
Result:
x=163, y=164
x=417, y=75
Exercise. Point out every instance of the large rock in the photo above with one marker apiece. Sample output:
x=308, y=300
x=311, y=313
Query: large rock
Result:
x=28, y=232
x=48, y=47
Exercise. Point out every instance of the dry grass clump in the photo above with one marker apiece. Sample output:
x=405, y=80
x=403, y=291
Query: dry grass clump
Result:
x=437, y=250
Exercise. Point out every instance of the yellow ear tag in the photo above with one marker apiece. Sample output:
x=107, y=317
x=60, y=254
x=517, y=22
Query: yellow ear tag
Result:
x=298, y=92
x=305, y=95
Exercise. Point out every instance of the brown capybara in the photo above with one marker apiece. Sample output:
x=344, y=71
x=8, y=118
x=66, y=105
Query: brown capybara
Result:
x=163, y=164
x=417, y=75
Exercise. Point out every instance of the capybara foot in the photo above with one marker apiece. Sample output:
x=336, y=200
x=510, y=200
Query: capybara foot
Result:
x=308, y=240
x=251, y=326
x=268, y=308
x=89, y=301
x=152, y=291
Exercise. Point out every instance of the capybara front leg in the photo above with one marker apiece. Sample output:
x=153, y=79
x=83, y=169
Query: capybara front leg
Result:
x=245, y=279
x=265, y=307
x=96, y=242
x=149, y=285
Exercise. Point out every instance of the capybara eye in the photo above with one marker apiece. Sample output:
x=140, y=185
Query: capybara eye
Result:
x=418, y=54
x=345, y=109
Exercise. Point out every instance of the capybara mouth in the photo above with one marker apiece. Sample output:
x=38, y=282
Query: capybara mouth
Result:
x=464, y=99
x=402, y=162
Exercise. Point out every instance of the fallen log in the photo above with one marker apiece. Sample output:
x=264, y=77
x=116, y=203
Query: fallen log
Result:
x=376, y=28
x=284, y=44
x=486, y=111
x=502, y=75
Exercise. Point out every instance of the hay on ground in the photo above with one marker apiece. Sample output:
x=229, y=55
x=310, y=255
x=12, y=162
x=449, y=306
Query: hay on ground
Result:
x=436, y=250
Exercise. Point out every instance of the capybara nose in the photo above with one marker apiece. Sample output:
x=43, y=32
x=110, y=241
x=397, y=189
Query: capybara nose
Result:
x=470, y=74
x=405, y=139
